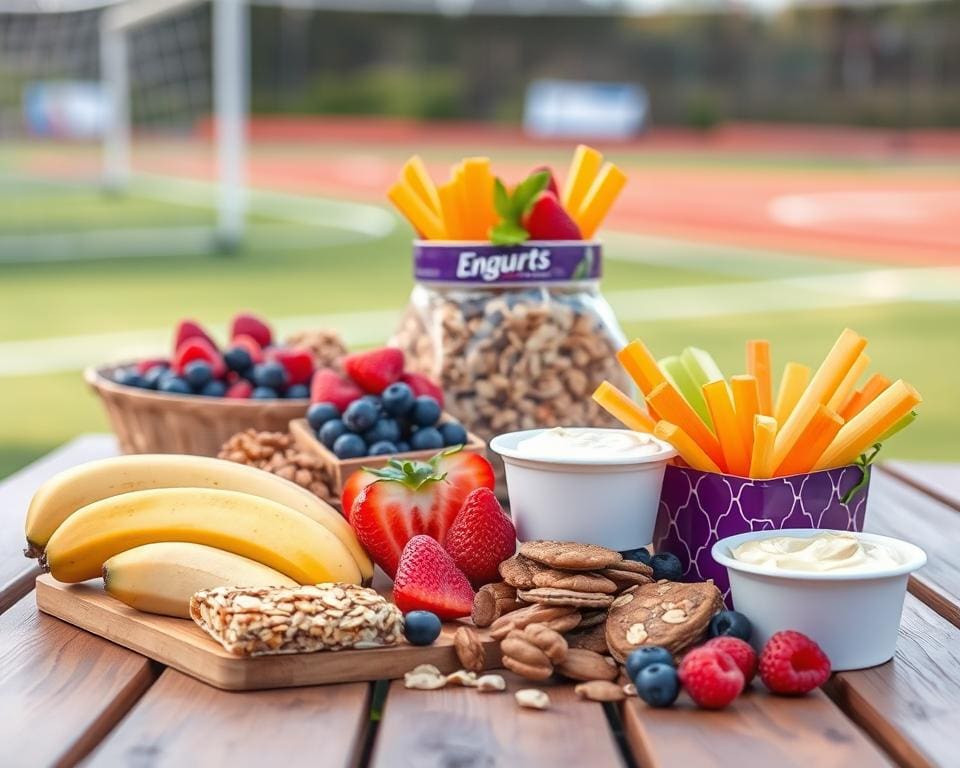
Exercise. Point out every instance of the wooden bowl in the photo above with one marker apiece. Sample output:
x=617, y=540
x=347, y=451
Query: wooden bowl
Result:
x=147, y=421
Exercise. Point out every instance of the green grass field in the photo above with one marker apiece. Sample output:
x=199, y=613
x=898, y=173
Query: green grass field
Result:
x=663, y=290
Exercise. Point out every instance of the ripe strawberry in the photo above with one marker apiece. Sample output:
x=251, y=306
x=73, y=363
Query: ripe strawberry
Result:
x=407, y=498
x=547, y=220
x=740, y=651
x=428, y=580
x=481, y=537
x=376, y=369
x=145, y=365
x=197, y=348
x=551, y=182
x=351, y=489
x=189, y=329
x=423, y=385
x=298, y=362
x=330, y=386
x=239, y=390
x=711, y=677
x=251, y=345
x=249, y=324
x=791, y=663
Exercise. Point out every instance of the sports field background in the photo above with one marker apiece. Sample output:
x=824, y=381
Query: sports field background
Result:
x=774, y=235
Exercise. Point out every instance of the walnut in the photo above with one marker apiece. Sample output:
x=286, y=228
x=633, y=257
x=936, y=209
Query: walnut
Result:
x=531, y=652
x=277, y=452
x=326, y=345
x=469, y=649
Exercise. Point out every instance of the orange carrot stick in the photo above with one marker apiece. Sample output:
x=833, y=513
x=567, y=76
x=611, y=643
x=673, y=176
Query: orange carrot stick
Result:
x=735, y=456
x=758, y=366
x=622, y=407
x=604, y=190
x=584, y=168
x=688, y=449
x=450, y=208
x=641, y=365
x=669, y=403
x=746, y=404
x=424, y=220
x=863, y=397
x=820, y=432
x=764, y=433
x=478, y=190
x=849, y=383
x=414, y=172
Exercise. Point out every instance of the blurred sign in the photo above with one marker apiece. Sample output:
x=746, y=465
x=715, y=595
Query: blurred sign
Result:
x=68, y=109
x=564, y=108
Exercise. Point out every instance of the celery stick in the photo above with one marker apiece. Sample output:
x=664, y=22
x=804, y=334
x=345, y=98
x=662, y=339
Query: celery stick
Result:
x=700, y=365
x=677, y=374
x=905, y=421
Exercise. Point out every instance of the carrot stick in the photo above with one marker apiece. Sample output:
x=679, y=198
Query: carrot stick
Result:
x=849, y=383
x=688, y=449
x=414, y=172
x=759, y=365
x=820, y=432
x=862, y=397
x=604, y=190
x=667, y=402
x=735, y=456
x=764, y=433
x=452, y=213
x=583, y=170
x=641, y=365
x=622, y=407
x=425, y=221
x=794, y=380
x=478, y=193
x=746, y=404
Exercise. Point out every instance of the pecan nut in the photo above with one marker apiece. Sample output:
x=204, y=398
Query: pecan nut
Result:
x=469, y=649
x=532, y=652
x=581, y=664
x=493, y=601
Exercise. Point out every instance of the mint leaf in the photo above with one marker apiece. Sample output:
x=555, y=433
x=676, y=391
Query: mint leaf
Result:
x=501, y=201
x=526, y=192
x=508, y=233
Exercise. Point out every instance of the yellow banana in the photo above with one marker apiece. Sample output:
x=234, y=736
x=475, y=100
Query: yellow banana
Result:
x=246, y=525
x=66, y=492
x=162, y=577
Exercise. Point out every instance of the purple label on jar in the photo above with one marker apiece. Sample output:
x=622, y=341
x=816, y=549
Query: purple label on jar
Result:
x=531, y=262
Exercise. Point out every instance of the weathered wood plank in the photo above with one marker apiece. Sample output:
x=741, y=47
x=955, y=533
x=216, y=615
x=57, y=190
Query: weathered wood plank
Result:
x=16, y=571
x=911, y=706
x=757, y=731
x=462, y=727
x=61, y=689
x=181, y=721
x=938, y=479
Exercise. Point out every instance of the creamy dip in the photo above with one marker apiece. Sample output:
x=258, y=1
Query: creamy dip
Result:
x=824, y=552
x=586, y=443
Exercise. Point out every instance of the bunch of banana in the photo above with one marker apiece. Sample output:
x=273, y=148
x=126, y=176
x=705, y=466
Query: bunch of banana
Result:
x=86, y=516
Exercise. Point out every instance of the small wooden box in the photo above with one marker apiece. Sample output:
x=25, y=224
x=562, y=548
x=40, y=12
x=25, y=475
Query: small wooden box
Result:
x=340, y=469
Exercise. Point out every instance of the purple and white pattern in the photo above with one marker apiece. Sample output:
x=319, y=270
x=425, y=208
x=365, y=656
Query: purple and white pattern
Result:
x=697, y=509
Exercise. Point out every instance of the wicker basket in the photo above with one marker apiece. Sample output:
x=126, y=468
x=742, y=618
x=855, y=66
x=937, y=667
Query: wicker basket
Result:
x=146, y=421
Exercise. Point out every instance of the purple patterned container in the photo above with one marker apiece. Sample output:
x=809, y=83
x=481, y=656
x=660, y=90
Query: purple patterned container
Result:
x=697, y=509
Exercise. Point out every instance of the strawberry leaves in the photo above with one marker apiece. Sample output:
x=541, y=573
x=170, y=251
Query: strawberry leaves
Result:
x=511, y=208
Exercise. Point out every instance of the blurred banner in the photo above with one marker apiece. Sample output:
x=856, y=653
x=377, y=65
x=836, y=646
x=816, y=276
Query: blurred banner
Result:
x=565, y=108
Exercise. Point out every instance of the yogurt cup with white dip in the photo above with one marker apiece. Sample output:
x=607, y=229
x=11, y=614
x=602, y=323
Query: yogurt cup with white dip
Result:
x=845, y=590
x=596, y=486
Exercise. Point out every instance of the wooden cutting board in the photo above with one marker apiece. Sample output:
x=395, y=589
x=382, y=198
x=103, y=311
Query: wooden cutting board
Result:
x=181, y=644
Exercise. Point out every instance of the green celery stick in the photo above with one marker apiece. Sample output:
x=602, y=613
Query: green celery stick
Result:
x=677, y=374
x=905, y=421
x=701, y=366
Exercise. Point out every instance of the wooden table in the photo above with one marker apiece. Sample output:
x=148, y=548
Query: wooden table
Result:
x=67, y=696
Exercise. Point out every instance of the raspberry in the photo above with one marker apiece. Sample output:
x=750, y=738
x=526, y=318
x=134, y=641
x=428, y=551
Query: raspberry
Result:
x=791, y=663
x=740, y=651
x=711, y=677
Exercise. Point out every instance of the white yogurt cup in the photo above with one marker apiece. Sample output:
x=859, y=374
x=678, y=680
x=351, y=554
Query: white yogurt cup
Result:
x=610, y=500
x=853, y=616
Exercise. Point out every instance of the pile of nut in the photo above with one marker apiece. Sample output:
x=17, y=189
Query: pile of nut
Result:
x=515, y=359
x=327, y=346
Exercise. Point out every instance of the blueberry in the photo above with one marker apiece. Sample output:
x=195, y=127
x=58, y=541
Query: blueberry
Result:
x=198, y=373
x=398, y=399
x=644, y=657
x=238, y=359
x=384, y=429
x=152, y=378
x=360, y=415
x=425, y=411
x=421, y=627
x=270, y=374
x=666, y=565
x=129, y=377
x=319, y=414
x=330, y=431
x=731, y=623
x=426, y=439
x=297, y=391
x=264, y=393
x=658, y=685
x=349, y=446
x=175, y=385
x=403, y=447
x=375, y=401
x=213, y=389
x=640, y=555
x=383, y=448
x=453, y=433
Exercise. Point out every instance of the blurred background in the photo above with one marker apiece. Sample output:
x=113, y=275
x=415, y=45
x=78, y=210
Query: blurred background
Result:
x=794, y=169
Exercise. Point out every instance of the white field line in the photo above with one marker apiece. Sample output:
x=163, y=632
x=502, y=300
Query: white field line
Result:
x=870, y=287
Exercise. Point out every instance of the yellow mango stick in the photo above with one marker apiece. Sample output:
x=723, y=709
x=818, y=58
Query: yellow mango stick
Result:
x=584, y=167
x=849, y=383
x=666, y=401
x=862, y=397
x=478, y=186
x=414, y=172
x=425, y=221
x=759, y=366
x=820, y=432
x=821, y=388
x=864, y=429
x=449, y=195
x=735, y=456
x=794, y=380
x=688, y=449
x=622, y=407
x=746, y=404
x=764, y=433
x=599, y=198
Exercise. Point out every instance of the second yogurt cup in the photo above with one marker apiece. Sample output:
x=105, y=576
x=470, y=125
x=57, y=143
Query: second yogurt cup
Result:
x=595, y=486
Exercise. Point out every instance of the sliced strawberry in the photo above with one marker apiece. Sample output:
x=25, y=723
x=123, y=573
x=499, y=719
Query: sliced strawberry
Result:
x=190, y=329
x=198, y=349
x=248, y=324
x=351, y=489
x=298, y=362
x=376, y=369
x=551, y=182
x=151, y=362
x=481, y=537
x=428, y=580
x=407, y=498
x=239, y=390
x=547, y=220
x=329, y=386
x=423, y=385
x=251, y=345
